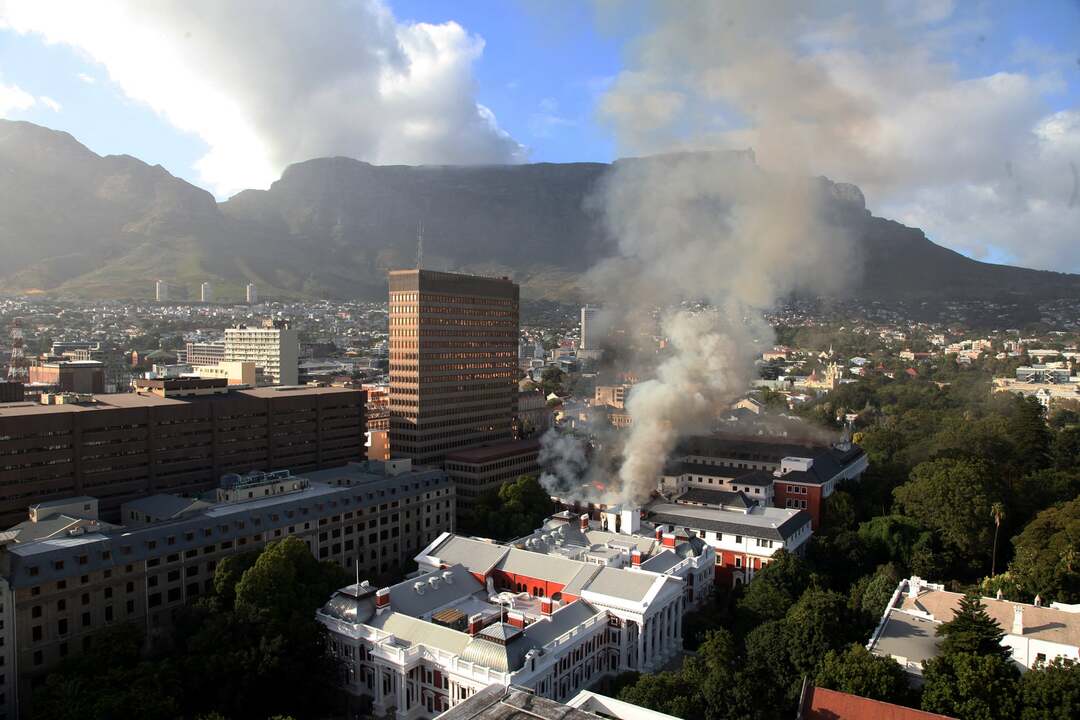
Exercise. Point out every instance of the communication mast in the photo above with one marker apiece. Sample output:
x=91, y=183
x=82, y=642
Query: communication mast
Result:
x=419, y=244
x=17, y=368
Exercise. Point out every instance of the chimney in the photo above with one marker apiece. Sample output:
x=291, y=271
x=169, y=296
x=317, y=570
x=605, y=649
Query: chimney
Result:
x=382, y=600
x=476, y=623
x=517, y=619
x=1038, y=601
x=546, y=605
x=914, y=585
x=659, y=533
x=635, y=558
x=669, y=540
x=584, y=522
x=1018, y=619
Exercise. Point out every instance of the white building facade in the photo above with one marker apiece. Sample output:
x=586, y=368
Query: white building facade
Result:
x=483, y=613
x=275, y=350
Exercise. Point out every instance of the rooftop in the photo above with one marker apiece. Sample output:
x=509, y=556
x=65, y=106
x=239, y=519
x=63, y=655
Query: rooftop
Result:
x=494, y=451
x=765, y=522
x=123, y=401
x=1043, y=623
x=822, y=704
x=499, y=703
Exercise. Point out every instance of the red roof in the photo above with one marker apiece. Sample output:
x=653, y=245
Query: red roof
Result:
x=835, y=705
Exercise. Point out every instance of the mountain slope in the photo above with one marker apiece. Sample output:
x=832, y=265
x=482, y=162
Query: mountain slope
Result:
x=73, y=222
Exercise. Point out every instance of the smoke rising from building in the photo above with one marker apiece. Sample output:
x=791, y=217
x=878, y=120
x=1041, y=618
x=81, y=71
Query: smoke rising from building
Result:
x=709, y=237
x=715, y=229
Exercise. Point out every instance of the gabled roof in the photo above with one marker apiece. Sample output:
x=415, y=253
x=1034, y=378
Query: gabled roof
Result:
x=623, y=584
x=415, y=631
x=537, y=565
x=767, y=522
x=561, y=621
x=427, y=593
x=715, y=498
x=165, y=507
x=477, y=555
x=661, y=562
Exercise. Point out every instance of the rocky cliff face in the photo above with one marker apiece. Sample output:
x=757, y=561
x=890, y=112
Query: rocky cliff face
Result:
x=74, y=222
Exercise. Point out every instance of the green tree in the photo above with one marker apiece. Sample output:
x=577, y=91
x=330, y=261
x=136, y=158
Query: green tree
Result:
x=1065, y=450
x=891, y=538
x=1047, y=557
x=970, y=687
x=773, y=591
x=855, y=670
x=710, y=671
x=997, y=512
x=551, y=379
x=820, y=621
x=839, y=512
x=952, y=497
x=286, y=582
x=872, y=593
x=228, y=572
x=1051, y=691
x=666, y=692
x=112, y=682
x=1029, y=433
x=972, y=630
x=516, y=508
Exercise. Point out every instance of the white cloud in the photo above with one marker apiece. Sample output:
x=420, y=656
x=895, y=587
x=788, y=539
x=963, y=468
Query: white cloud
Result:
x=265, y=84
x=88, y=79
x=50, y=103
x=978, y=162
x=14, y=98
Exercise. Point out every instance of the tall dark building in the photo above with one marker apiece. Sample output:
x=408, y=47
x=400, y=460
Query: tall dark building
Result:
x=11, y=391
x=453, y=362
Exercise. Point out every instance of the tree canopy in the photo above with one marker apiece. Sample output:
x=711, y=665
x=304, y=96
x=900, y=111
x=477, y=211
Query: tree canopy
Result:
x=514, y=509
x=972, y=630
x=1047, y=560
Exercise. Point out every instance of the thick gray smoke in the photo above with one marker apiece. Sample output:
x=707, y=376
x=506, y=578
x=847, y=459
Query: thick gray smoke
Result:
x=565, y=462
x=715, y=228
x=712, y=238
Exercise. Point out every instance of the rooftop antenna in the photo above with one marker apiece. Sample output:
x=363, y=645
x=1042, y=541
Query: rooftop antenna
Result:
x=419, y=244
x=17, y=368
x=357, y=560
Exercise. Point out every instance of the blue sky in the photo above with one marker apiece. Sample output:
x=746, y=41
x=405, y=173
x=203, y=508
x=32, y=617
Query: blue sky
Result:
x=542, y=73
x=545, y=71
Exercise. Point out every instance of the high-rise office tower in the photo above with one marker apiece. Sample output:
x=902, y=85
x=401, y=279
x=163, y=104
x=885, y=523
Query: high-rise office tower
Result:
x=274, y=348
x=589, y=339
x=252, y=294
x=206, y=294
x=453, y=369
x=161, y=291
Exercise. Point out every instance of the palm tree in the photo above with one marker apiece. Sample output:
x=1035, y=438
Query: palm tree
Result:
x=997, y=511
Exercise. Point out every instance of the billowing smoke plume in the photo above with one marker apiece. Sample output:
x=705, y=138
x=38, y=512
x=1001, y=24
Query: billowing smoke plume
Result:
x=565, y=462
x=704, y=233
x=712, y=228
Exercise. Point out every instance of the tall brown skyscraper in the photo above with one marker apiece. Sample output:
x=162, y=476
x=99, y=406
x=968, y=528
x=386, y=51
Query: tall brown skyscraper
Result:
x=453, y=362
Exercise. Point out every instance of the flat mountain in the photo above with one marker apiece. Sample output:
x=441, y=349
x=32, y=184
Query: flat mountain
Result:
x=78, y=224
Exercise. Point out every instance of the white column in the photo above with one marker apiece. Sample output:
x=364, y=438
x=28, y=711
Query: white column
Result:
x=641, y=646
x=402, y=705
